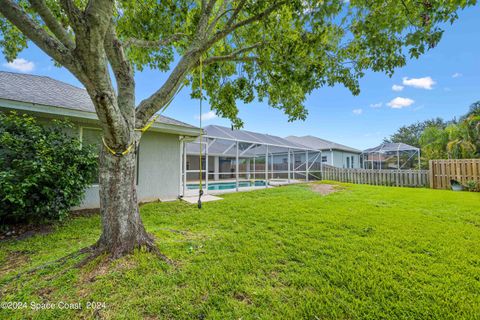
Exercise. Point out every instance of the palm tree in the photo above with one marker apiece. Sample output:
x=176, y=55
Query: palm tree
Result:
x=433, y=142
x=458, y=140
x=473, y=121
x=461, y=144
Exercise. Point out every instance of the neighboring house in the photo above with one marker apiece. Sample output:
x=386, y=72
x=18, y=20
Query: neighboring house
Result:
x=333, y=154
x=160, y=149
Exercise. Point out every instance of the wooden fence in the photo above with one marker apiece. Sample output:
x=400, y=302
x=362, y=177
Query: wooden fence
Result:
x=399, y=178
x=442, y=171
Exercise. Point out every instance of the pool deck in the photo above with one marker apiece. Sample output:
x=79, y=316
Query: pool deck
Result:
x=205, y=198
x=272, y=183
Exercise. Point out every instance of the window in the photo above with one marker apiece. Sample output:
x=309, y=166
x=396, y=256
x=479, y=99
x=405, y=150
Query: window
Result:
x=352, y=161
x=348, y=162
x=324, y=158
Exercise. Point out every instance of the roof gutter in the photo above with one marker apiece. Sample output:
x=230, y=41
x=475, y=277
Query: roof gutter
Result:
x=342, y=150
x=89, y=116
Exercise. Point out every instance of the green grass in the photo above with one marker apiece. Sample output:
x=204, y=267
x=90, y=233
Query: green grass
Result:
x=285, y=253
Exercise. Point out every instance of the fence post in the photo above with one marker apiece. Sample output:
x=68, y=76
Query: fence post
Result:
x=431, y=174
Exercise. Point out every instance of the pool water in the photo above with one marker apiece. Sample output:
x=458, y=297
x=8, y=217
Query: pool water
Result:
x=228, y=185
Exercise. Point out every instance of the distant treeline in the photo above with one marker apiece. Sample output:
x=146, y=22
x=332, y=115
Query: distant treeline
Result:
x=440, y=139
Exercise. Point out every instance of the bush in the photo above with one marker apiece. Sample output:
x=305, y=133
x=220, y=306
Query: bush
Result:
x=472, y=185
x=43, y=170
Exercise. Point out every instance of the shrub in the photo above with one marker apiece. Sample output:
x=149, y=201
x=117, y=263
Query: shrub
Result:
x=43, y=170
x=472, y=185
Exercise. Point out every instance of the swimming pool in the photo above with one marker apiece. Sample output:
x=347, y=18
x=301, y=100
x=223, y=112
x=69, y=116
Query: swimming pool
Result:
x=228, y=185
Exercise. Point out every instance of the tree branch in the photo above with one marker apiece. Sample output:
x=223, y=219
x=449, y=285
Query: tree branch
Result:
x=123, y=72
x=407, y=12
x=91, y=28
x=221, y=12
x=228, y=58
x=153, y=43
x=73, y=13
x=98, y=18
x=205, y=14
x=52, y=23
x=234, y=56
x=53, y=47
x=236, y=12
x=147, y=108
x=230, y=28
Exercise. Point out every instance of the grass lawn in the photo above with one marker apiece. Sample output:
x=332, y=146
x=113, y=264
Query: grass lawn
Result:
x=284, y=253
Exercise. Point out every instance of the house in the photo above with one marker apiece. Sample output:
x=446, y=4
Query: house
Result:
x=160, y=151
x=333, y=154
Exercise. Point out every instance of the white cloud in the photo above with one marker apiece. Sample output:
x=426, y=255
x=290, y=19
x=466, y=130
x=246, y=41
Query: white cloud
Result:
x=210, y=115
x=21, y=65
x=399, y=103
x=421, y=83
x=376, y=105
x=397, y=87
x=357, y=111
x=457, y=75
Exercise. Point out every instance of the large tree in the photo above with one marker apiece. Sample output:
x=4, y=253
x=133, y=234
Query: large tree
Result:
x=411, y=134
x=275, y=50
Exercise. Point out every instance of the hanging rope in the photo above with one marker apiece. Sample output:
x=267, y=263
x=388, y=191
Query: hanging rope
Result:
x=200, y=187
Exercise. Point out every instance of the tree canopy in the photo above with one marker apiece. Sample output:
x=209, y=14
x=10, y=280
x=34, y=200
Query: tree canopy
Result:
x=440, y=139
x=410, y=134
x=274, y=50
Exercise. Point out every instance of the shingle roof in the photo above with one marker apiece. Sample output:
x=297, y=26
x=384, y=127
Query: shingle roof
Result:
x=321, y=144
x=47, y=91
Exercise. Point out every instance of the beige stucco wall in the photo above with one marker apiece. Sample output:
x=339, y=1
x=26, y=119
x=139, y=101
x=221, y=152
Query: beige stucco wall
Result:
x=159, y=170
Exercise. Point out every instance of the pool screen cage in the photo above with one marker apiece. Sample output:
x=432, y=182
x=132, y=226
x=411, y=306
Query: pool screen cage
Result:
x=242, y=158
x=394, y=156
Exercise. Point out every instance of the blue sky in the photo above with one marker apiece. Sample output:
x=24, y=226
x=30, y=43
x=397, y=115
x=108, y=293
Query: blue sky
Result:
x=442, y=83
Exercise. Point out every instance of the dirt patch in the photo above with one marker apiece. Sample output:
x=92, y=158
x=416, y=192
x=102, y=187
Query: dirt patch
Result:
x=14, y=261
x=84, y=212
x=242, y=297
x=23, y=231
x=100, y=268
x=324, y=189
x=45, y=292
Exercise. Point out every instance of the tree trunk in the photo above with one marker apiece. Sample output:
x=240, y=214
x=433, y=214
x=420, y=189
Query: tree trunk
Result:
x=122, y=227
